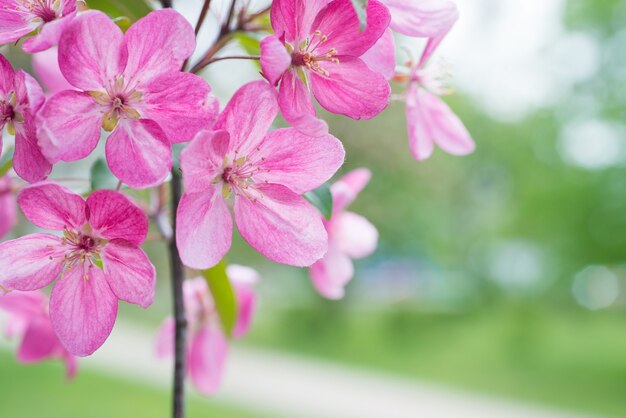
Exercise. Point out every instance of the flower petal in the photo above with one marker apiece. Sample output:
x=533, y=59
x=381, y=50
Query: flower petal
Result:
x=204, y=229
x=207, y=358
x=130, y=274
x=381, y=58
x=13, y=25
x=295, y=17
x=7, y=77
x=332, y=273
x=69, y=126
x=46, y=67
x=25, y=262
x=297, y=107
x=24, y=304
x=339, y=22
x=48, y=36
x=39, y=341
x=165, y=339
x=297, y=161
x=28, y=92
x=8, y=207
x=202, y=160
x=353, y=235
x=28, y=161
x=92, y=51
x=113, y=216
x=275, y=59
x=246, y=303
x=431, y=121
x=181, y=103
x=52, y=206
x=351, y=89
x=158, y=43
x=282, y=226
x=422, y=19
x=82, y=310
x=139, y=153
x=347, y=188
x=248, y=116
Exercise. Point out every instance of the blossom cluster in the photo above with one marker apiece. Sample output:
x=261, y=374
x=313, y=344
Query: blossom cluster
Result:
x=133, y=88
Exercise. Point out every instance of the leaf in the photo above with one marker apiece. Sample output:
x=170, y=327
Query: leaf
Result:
x=101, y=177
x=6, y=163
x=223, y=295
x=322, y=199
x=360, y=6
x=132, y=9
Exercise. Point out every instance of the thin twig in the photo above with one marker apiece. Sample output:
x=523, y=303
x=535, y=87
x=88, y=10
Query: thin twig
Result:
x=166, y=3
x=234, y=57
x=203, y=13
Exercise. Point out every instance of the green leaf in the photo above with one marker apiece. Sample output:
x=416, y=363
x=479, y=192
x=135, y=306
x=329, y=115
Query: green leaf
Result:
x=176, y=150
x=360, y=6
x=6, y=163
x=251, y=44
x=132, y=9
x=101, y=177
x=322, y=199
x=223, y=295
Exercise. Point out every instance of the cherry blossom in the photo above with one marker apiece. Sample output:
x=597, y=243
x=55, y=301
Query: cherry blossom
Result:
x=265, y=174
x=8, y=206
x=350, y=236
x=97, y=258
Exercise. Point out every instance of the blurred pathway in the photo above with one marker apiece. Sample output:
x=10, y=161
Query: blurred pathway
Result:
x=283, y=385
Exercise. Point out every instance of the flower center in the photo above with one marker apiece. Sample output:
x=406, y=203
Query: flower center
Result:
x=435, y=78
x=238, y=176
x=82, y=248
x=8, y=115
x=312, y=53
x=119, y=98
x=40, y=11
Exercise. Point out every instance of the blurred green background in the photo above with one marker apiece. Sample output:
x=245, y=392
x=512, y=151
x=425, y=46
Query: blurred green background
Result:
x=501, y=273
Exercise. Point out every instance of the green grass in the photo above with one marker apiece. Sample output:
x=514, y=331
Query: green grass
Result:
x=569, y=359
x=41, y=391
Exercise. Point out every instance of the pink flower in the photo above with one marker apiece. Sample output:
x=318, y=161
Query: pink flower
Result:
x=98, y=258
x=29, y=318
x=20, y=99
x=8, y=211
x=130, y=85
x=422, y=18
x=47, y=70
x=321, y=41
x=350, y=236
x=47, y=18
x=265, y=173
x=430, y=120
x=207, y=344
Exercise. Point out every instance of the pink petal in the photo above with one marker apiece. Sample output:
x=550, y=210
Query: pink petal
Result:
x=28, y=161
x=352, y=89
x=165, y=339
x=28, y=92
x=332, y=273
x=82, y=310
x=295, y=17
x=25, y=262
x=297, y=107
x=92, y=51
x=202, y=160
x=275, y=59
x=353, y=235
x=51, y=206
x=49, y=35
x=282, y=226
x=24, y=305
x=431, y=121
x=69, y=126
x=113, y=216
x=347, y=188
x=181, y=103
x=297, y=161
x=7, y=77
x=340, y=23
x=158, y=43
x=39, y=341
x=204, y=229
x=422, y=18
x=71, y=364
x=248, y=116
x=47, y=70
x=139, y=153
x=381, y=58
x=246, y=303
x=13, y=26
x=207, y=358
x=130, y=274
x=8, y=207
